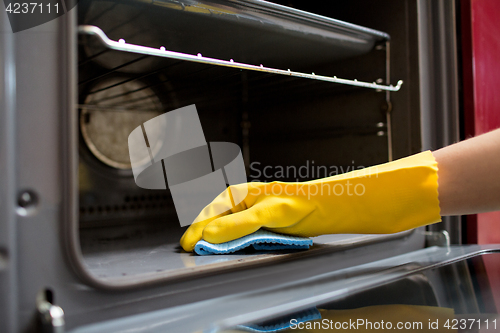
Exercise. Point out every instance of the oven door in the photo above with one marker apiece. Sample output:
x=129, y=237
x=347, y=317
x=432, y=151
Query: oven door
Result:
x=437, y=288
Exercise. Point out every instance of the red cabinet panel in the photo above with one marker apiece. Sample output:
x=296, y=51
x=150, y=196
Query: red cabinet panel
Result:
x=481, y=87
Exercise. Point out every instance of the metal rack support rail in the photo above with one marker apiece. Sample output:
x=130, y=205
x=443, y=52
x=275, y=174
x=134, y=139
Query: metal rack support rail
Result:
x=388, y=111
x=121, y=45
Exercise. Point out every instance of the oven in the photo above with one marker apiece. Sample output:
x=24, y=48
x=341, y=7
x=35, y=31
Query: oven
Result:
x=305, y=92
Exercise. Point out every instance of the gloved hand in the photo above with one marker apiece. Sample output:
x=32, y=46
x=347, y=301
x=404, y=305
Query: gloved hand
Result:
x=386, y=198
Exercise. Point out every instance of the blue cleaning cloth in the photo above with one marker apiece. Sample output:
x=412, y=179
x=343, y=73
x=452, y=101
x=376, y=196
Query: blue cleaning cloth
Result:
x=260, y=240
x=282, y=323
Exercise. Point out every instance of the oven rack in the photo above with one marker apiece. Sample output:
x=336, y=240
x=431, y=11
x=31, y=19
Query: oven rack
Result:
x=122, y=45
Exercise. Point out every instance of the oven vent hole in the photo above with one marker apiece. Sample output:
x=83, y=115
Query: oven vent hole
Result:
x=131, y=203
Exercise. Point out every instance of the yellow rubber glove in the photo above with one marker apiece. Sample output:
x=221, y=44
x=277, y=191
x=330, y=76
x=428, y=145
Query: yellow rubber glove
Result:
x=386, y=198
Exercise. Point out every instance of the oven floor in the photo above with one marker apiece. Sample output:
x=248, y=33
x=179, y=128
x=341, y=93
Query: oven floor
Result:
x=160, y=252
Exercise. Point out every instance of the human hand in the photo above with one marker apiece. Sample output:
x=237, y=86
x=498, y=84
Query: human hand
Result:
x=387, y=198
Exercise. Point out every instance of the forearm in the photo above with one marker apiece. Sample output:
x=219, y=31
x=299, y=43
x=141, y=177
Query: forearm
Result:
x=469, y=175
x=391, y=197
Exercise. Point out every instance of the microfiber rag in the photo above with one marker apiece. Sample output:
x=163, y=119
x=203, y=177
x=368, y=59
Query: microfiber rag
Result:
x=260, y=240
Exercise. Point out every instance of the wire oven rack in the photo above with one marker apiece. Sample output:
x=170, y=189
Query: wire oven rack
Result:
x=122, y=45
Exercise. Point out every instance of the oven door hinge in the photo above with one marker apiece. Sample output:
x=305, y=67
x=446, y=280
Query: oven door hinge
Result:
x=437, y=238
x=50, y=316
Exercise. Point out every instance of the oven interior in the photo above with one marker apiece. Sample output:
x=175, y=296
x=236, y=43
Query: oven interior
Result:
x=278, y=121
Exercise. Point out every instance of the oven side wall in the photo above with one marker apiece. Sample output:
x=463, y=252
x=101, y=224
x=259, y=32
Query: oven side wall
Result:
x=8, y=253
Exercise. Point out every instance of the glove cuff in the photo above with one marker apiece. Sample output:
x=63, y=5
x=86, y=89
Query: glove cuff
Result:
x=397, y=196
